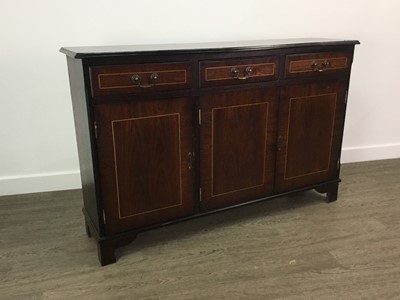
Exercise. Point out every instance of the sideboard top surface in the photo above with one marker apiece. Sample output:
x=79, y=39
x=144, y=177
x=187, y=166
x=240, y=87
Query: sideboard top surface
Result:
x=98, y=51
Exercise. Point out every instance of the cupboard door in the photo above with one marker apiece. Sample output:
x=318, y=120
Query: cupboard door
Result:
x=237, y=153
x=310, y=134
x=143, y=149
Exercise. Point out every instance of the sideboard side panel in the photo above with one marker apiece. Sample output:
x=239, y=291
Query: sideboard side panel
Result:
x=84, y=136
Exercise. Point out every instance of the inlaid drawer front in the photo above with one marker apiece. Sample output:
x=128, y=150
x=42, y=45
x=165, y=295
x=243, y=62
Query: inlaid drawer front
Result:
x=140, y=78
x=299, y=65
x=238, y=71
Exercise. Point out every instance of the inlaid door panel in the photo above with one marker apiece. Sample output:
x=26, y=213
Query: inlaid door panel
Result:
x=143, y=149
x=310, y=134
x=237, y=137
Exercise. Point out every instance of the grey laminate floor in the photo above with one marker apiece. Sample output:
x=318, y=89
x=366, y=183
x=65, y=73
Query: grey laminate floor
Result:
x=296, y=247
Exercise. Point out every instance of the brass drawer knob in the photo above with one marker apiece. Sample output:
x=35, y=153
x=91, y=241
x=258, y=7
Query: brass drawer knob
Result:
x=313, y=65
x=154, y=76
x=235, y=72
x=326, y=64
x=248, y=70
x=136, y=78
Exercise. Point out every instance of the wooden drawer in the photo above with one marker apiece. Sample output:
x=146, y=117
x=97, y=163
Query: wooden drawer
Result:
x=238, y=71
x=140, y=78
x=317, y=64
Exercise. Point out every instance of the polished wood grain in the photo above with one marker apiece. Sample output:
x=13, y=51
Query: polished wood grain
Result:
x=237, y=132
x=115, y=80
x=217, y=73
x=147, y=152
x=301, y=65
x=143, y=151
x=310, y=134
x=294, y=247
x=310, y=118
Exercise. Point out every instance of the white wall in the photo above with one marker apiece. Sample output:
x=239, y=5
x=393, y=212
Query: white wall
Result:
x=37, y=140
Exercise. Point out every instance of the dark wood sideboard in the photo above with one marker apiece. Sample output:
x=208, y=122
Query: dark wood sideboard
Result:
x=171, y=132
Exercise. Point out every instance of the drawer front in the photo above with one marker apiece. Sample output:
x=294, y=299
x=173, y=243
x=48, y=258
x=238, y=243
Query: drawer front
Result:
x=140, y=78
x=317, y=64
x=238, y=71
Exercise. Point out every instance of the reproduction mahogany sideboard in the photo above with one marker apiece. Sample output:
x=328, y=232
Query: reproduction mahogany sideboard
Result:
x=166, y=133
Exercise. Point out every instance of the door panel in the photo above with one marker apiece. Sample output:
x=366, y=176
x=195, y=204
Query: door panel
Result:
x=143, y=148
x=310, y=134
x=237, y=133
x=147, y=150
